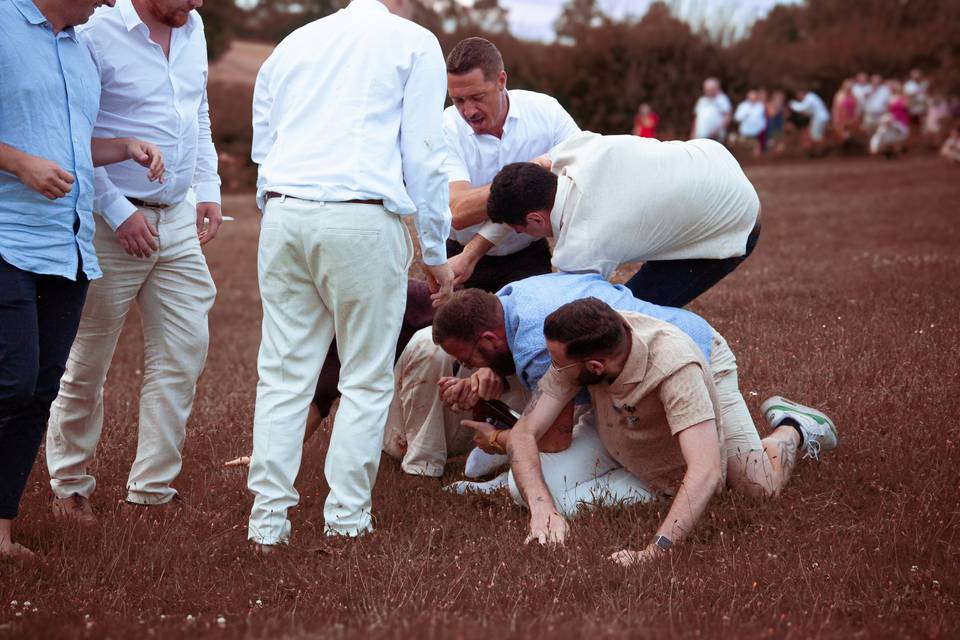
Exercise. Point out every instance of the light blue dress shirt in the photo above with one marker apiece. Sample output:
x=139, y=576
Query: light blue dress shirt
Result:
x=527, y=303
x=51, y=95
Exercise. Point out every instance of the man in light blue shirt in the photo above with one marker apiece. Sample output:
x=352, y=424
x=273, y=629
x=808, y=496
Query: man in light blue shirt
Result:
x=51, y=98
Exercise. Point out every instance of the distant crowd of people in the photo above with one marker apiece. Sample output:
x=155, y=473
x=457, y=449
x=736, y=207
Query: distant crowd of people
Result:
x=884, y=112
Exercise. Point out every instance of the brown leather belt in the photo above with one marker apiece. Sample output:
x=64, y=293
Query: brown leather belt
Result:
x=141, y=204
x=274, y=194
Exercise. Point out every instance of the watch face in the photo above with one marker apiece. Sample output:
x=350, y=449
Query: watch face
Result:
x=663, y=542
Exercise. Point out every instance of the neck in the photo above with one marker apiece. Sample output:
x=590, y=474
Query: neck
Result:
x=498, y=130
x=51, y=11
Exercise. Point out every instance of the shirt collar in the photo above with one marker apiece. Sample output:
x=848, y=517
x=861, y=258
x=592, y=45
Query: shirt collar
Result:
x=368, y=4
x=129, y=14
x=33, y=15
x=556, y=214
x=636, y=365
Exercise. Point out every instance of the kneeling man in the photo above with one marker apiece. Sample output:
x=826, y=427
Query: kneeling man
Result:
x=670, y=419
x=685, y=209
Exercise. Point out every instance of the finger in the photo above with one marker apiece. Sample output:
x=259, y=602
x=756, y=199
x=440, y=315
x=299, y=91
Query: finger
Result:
x=436, y=300
x=200, y=219
x=143, y=247
x=152, y=229
x=211, y=231
x=151, y=238
x=66, y=176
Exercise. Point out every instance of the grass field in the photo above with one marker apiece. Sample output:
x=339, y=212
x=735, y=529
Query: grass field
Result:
x=849, y=303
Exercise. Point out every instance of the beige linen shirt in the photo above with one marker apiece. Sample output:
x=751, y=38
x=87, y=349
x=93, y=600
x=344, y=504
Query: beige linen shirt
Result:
x=664, y=388
x=629, y=199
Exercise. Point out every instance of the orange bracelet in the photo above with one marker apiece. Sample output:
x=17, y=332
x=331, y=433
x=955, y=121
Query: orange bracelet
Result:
x=494, y=443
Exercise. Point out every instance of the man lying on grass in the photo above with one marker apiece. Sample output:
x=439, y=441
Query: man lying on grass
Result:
x=673, y=422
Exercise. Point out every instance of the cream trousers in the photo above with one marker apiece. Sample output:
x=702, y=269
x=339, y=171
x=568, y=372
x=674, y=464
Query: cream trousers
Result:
x=421, y=431
x=325, y=269
x=174, y=292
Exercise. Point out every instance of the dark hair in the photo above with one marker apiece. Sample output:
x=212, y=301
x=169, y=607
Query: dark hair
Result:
x=587, y=327
x=475, y=53
x=519, y=188
x=466, y=315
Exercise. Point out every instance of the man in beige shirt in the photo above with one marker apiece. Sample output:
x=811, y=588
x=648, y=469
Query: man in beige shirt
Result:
x=660, y=416
x=684, y=209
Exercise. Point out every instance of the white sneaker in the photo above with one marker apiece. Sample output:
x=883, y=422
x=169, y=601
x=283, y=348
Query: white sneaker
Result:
x=463, y=487
x=819, y=432
x=480, y=463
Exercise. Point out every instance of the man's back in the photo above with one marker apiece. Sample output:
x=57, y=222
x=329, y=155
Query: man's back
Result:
x=627, y=199
x=333, y=96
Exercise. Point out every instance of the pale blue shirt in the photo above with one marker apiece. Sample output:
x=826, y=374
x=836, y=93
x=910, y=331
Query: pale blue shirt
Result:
x=527, y=303
x=51, y=94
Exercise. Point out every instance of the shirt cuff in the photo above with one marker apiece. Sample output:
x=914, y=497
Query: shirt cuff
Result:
x=117, y=212
x=433, y=255
x=207, y=192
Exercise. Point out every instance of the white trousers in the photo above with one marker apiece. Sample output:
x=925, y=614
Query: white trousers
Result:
x=175, y=292
x=421, y=431
x=584, y=476
x=325, y=269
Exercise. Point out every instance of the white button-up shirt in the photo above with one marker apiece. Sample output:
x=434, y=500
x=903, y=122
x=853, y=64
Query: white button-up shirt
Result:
x=535, y=124
x=349, y=107
x=628, y=199
x=710, y=113
x=812, y=107
x=145, y=95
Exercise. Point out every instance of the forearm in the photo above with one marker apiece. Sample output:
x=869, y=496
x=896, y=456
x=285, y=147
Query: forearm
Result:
x=525, y=464
x=11, y=159
x=476, y=248
x=109, y=150
x=469, y=207
x=696, y=491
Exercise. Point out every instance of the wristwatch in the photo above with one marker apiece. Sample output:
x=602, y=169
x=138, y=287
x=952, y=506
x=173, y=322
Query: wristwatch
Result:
x=663, y=542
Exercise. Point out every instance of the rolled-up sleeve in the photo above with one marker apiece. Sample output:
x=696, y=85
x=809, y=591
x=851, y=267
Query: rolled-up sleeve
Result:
x=423, y=150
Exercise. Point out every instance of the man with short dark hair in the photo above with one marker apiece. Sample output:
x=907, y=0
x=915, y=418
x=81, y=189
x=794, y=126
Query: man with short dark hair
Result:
x=498, y=342
x=685, y=209
x=672, y=420
x=347, y=133
x=486, y=128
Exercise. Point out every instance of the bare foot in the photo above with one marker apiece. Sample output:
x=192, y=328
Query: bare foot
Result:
x=242, y=461
x=10, y=550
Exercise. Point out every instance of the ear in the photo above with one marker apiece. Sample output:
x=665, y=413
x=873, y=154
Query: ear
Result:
x=594, y=366
x=501, y=80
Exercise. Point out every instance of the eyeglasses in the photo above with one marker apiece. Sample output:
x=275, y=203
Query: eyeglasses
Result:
x=465, y=362
x=556, y=367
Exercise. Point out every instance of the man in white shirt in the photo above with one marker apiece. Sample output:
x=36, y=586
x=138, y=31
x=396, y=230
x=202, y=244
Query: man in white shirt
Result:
x=876, y=105
x=486, y=128
x=712, y=112
x=152, y=59
x=915, y=89
x=812, y=106
x=683, y=208
x=860, y=91
x=347, y=132
x=751, y=117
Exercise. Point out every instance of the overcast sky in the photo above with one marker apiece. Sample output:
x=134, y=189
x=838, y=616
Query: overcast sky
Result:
x=533, y=19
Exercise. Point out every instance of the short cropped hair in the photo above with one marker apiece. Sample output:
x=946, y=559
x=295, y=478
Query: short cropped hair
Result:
x=466, y=315
x=519, y=188
x=475, y=53
x=587, y=327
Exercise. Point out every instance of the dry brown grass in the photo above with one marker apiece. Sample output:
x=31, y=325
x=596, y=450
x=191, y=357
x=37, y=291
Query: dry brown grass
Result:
x=848, y=303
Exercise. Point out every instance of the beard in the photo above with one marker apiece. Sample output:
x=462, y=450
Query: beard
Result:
x=588, y=378
x=502, y=363
x=174, y=18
